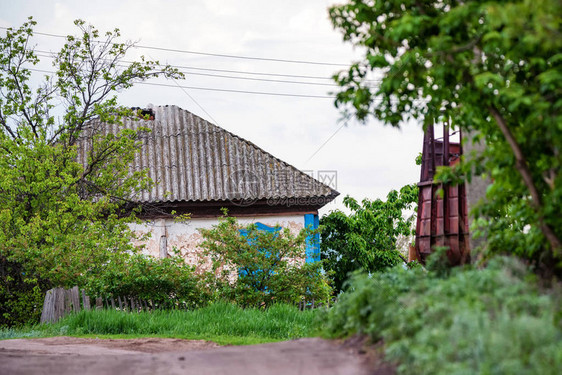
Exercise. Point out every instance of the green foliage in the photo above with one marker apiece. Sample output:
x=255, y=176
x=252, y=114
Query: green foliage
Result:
x=21, y=295
x=493, y=67
x=223, y=323
x=167, y=282
x=369, y=303
x=261, y=268
x=61, y=222
x=366, y=239
x=489, y=321
x=438, y=263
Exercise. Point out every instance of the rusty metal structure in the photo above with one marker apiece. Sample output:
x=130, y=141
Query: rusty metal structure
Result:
x=442, y=209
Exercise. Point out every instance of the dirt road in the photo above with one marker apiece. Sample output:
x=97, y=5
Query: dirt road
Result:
x=68, y=355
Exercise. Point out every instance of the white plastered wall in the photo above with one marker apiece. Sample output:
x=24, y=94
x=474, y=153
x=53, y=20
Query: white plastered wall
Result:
x=167, y=234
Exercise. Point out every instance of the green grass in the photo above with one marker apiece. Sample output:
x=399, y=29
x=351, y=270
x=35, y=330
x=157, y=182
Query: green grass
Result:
x=223, y=323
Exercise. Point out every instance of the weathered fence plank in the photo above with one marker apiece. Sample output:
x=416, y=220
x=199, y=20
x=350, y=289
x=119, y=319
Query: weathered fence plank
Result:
x=67, y=307
x=85, y=301
x=47, y=315
x=59, y=304
x=75, y=299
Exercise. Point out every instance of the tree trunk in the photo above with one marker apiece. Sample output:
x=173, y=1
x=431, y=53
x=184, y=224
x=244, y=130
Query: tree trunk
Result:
x=523, y=168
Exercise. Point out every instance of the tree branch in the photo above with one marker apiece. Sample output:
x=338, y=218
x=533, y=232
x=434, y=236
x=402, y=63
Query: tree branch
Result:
x=5, y=126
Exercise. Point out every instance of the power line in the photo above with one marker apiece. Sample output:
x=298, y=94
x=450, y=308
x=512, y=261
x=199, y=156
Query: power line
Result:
x=253, y=73
x=416, y=101
x=195, y=101
x=218, y=89
x=242, y=91
x=325, y=142
x=47, y=54
x=222, y=55
x=234, y=77
x=241, y=57
x=262, y=79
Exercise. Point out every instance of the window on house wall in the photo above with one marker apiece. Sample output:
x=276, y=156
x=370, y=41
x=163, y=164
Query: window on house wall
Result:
x=261, y=227
x=311, y=221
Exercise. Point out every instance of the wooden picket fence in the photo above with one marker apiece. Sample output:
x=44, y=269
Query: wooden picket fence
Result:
x=60, y=302
x=307, y=305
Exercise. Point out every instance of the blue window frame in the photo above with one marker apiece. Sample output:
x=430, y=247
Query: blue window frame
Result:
x=311, y=221
x=261, y=226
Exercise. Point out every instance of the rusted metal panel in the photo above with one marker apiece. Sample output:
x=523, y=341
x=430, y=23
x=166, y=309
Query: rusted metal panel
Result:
x=442, y=218
x=192, y=160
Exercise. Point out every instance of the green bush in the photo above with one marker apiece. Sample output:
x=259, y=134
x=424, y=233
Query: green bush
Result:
x=252, y=267
x=167, y=282
x=368, y=303
x=21, y=295
x=473, y=321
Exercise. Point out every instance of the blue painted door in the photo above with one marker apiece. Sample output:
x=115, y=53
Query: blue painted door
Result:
x=311, y=221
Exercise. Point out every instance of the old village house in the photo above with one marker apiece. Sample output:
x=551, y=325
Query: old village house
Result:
x=199, y=168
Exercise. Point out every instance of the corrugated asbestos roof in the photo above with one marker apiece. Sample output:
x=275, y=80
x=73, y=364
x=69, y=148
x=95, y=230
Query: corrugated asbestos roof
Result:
x=190, y=159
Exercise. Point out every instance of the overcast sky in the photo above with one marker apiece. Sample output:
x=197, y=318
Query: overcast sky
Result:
x=370, y=159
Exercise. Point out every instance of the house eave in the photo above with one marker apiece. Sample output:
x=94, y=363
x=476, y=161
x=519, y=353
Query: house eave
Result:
x=239, y=208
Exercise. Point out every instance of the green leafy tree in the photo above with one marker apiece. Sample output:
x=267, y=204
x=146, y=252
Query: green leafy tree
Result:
x=493, y=67
x=253, y=267
x=366, y=238
x=61, y=222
